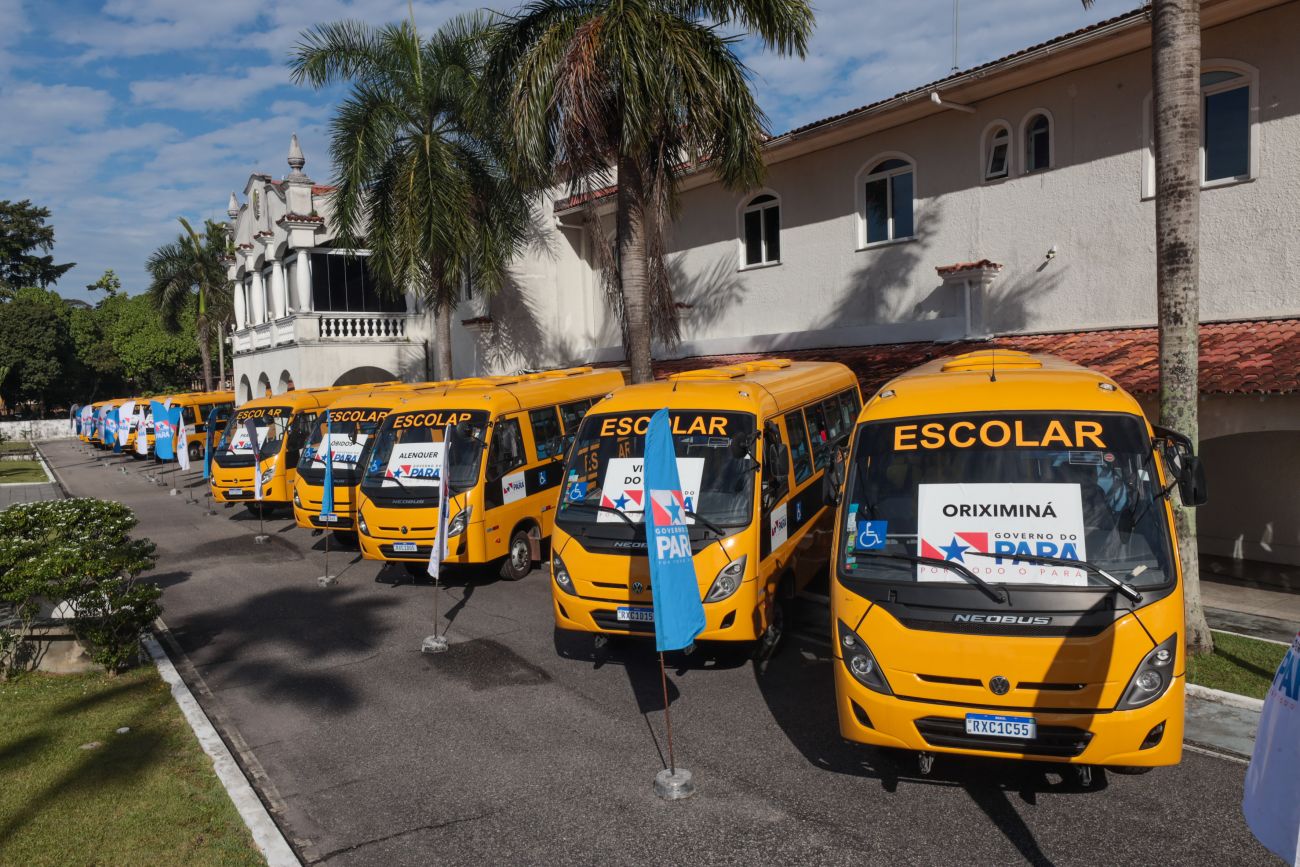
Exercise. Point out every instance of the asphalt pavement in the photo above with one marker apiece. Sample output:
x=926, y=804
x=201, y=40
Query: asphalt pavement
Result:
x=521, y=746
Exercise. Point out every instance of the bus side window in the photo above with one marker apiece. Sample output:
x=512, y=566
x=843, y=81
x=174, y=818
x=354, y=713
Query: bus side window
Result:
x=800, y=458
x=546, y=432
x=776, y=484
x=849, y=408
x=507, y=450
x=820, y=434
x=572, y=414
x=298, y=433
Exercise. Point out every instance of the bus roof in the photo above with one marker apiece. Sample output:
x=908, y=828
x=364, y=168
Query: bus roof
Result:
x=998, y=379
x=764, y=387
x=204, y=397
x=498, y=394
x=384, y=396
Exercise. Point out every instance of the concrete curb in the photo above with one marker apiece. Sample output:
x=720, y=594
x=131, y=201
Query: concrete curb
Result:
x=266, y=834
x=1218, y=696
x=49, y=471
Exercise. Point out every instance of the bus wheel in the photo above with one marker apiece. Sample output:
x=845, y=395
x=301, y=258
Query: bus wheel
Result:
x=1129, y=770
x=770, y=641
x=255, y=509
x=519, y=562
x=196, y=452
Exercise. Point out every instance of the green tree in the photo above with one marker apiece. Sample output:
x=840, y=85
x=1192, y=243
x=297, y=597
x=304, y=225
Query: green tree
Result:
x=37, y=348
x=1176, y=111
x=418, y=156
x=192, y=268
x=23, y=231
x=155, y=357
x=604, y=91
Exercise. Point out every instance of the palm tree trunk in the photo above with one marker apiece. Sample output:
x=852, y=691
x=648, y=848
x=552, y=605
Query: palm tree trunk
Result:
x=442, y=337
x=1176, y=67
x=205, y=355
x=633, y=274
x=221, y=353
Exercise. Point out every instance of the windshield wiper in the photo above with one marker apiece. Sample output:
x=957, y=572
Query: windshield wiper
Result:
x=578, y=504
x=1119, y=584
x=992, y=592
x=705, y=521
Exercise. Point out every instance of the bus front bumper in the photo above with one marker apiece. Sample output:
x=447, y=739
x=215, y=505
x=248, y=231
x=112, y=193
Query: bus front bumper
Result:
x=739, y=618
x=1149, y=736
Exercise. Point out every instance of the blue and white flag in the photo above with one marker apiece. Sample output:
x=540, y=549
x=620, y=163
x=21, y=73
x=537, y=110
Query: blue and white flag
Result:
x=679, y=612
x=1271, y=803
x=125, y=423
x=143, y=426
x=74, y=416
x=162, y=432
x=182, y=438
x=110, y=430
x=209, y=431
x=327, y=495
x=251, y=428
x=439, y=552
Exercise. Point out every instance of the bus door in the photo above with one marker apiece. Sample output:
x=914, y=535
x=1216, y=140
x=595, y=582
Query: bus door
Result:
x=507, y=500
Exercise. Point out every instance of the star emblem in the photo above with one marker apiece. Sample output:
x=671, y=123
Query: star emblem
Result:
x=954, y=550
x=621, y=502
x=676, y=511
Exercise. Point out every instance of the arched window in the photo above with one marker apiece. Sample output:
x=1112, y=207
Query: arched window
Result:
x=761, y=231
x=997, y=152
x=1038, y=142
x=888, y=202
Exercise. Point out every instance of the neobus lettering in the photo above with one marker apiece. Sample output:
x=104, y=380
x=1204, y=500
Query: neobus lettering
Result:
x=999, y=510
x=995, y=433
x=429, y=419
x=626, y=425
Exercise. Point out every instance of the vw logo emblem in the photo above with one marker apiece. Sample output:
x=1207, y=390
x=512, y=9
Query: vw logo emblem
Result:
x=999, y=685
x=637, y=586
x=403, y=531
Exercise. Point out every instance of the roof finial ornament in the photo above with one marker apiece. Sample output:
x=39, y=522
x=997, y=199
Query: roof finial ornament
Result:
x=232, y=207
x=296, y=159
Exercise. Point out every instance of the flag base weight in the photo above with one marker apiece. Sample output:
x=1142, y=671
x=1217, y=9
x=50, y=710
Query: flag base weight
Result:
x=173, y=493
x=327, y=580
x=434, y=644
x=674, y=785
x=261, y=539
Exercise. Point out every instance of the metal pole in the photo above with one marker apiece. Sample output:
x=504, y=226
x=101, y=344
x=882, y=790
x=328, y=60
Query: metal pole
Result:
x=668, y=719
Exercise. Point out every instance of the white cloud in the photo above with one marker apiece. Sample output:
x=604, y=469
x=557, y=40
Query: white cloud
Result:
x=40, y=114
x=131, y=28
x=202, y=92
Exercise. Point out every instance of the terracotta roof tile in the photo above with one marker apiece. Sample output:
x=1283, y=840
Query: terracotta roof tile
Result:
x=1255, y=357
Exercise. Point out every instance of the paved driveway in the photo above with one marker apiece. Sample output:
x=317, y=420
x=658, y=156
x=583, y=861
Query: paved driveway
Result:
x=519, y=747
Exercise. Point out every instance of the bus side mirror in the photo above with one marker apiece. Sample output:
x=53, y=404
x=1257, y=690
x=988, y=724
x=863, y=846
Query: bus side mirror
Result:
x=1186, y=467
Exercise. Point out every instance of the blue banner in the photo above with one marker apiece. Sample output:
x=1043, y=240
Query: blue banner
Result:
x=110, y=430
x=327, y=496
x=679, y=613
x=209, y=432
x=163, y=432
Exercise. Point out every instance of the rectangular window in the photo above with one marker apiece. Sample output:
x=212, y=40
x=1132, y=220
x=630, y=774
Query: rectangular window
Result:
x=507, y=450
x=1227, y=134
x=901, y=204
x=772, y=234
x=877, y=211
x=819, y=433
x=753, y=237
x=572, y=413
x=800, y=458
x=546, y=432
x=997, y=167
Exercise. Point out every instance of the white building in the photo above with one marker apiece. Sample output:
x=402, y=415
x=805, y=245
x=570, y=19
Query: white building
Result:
x=1010, y=201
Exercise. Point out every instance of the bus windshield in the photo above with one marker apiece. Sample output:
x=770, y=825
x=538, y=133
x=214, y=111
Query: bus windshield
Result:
x=977, y=490
x=401, y=469
x=349, y=431
x=270, y=423
x=604, y=479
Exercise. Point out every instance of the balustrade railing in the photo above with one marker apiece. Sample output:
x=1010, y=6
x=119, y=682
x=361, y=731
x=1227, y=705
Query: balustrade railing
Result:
x=316, y=327
x=362, y=326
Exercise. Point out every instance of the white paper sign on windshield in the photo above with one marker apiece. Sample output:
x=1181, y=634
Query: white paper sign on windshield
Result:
x=346, y=450
x=240, y=444
x=623, y=487
x=414, y=464
x=954, y=522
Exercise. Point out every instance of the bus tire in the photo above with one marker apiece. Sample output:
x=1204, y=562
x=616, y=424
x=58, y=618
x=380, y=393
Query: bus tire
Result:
x=770, y=641
x=519, y=561
x=196, y=452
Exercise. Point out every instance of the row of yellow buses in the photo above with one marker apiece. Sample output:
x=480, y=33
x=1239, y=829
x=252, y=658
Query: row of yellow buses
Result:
x=195, y=407
x=995, y=530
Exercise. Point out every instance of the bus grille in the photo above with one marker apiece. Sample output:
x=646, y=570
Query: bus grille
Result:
x=1057, y=741
x=607, y=619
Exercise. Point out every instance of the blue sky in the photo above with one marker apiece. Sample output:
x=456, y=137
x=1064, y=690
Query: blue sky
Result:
x=122, y=115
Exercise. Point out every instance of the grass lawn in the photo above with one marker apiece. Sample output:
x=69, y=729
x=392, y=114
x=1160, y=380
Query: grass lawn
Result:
x=146, y=797
x=1241, y=665
x=15, y=446
x=21, y=471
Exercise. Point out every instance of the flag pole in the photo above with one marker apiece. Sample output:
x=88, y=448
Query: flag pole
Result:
x=668, y=719
x=437, y=643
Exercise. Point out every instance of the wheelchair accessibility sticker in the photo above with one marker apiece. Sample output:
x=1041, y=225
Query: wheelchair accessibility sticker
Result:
x=870, y=535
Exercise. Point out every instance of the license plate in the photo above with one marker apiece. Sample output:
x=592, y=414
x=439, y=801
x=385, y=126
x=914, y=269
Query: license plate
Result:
x=1022, y=727
x=405, y=547
x=329, y=519
x=635, y=615
x=235, y=492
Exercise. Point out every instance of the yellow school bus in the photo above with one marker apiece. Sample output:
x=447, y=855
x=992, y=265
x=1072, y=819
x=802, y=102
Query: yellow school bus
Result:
x=753, y=444
x=1006, y=579
x=282, y=423
x=353, y=421
x=195, y=407
x=94, y=433
x=108, y=405
x=504, y=456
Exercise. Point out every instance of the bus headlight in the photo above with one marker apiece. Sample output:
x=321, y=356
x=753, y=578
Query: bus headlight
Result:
x=860, y=661
x=297, y=502
x=560, y=573
x=728, y=580
x=361, y=523
x=1152, y=677
x=456, y=525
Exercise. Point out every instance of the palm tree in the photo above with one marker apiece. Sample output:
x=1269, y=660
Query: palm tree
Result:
x=418, y=155
x=604, y=91
x=1176, y=110
x=190, y=269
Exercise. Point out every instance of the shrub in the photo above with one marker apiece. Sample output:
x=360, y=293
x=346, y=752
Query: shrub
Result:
x=78, y=552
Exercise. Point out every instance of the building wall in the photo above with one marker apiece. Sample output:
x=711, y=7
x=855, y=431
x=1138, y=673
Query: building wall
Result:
x=321, y=365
